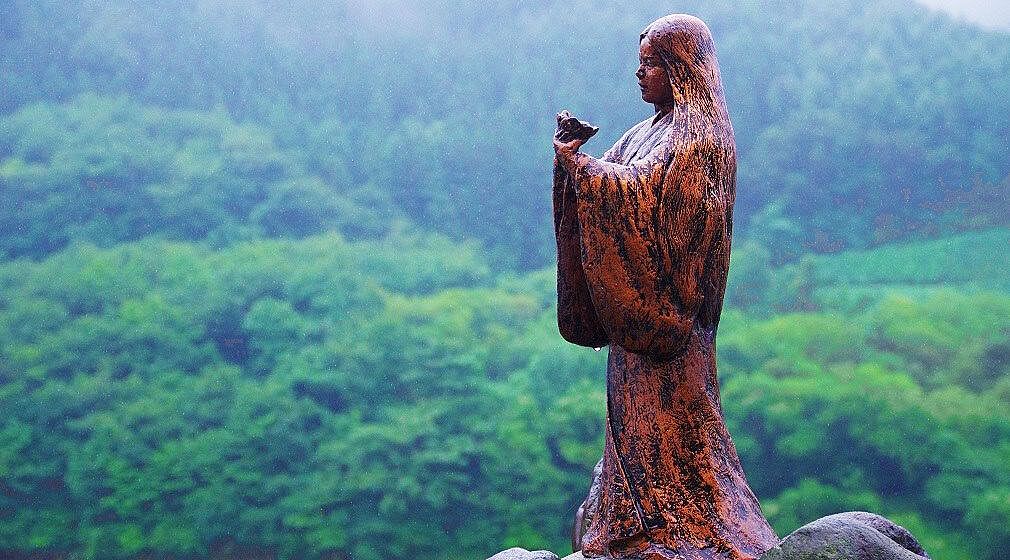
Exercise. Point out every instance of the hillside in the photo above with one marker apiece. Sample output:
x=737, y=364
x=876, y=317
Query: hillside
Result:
x=322, y=397
x=858, y=124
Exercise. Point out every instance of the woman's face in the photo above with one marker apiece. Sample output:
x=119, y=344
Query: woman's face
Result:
x=652, y=77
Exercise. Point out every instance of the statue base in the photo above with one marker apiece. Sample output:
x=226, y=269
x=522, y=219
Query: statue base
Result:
x=854, y=535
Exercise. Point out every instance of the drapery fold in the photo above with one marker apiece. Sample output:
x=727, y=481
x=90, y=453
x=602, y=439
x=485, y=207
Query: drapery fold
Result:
x=635, y=237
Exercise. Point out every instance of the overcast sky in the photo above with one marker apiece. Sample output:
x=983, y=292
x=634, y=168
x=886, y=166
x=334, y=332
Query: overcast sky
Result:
x=989, y=13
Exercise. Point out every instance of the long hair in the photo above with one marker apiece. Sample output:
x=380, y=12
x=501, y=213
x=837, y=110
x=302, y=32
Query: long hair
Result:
x=684, y=44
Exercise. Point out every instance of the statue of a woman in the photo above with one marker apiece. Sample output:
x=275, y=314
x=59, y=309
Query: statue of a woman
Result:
x=643, y=249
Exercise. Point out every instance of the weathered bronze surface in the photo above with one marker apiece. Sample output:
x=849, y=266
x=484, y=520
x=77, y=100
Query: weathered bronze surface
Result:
x=643, y=238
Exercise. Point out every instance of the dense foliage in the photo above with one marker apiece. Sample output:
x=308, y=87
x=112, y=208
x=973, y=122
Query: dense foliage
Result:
x=275, y=276
x=284, y=396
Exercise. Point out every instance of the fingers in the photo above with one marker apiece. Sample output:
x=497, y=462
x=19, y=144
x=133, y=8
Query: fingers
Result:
x=572, y=146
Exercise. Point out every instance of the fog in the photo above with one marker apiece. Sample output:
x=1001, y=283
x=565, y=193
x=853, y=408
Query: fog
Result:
x=987, y=13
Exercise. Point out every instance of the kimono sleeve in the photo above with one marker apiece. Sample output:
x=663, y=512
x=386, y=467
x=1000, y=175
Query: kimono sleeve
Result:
x=646, y=230
x=577, y=319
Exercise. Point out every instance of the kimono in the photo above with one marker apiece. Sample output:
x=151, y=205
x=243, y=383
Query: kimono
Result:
x=643, y=237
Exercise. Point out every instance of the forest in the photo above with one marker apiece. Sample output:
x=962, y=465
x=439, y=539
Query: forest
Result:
x=277, y=278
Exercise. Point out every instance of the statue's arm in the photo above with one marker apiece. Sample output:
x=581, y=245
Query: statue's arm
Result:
x=584, y=166
x=646, y=230
x=577, y=320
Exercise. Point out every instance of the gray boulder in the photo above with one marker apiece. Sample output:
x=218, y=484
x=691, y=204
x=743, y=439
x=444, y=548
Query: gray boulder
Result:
x=854, y=535
x=523, y=554
x=588, y=508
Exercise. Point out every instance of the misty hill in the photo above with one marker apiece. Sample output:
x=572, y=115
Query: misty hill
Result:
x=858, y=123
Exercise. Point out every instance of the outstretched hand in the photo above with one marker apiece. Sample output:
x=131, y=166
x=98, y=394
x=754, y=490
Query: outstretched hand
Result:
x=571, y=134
x=567, y=148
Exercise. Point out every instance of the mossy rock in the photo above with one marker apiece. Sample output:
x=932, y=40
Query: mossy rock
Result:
x=853, y=535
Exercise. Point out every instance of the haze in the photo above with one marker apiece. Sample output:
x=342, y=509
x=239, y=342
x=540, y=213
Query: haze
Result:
x=986, y=13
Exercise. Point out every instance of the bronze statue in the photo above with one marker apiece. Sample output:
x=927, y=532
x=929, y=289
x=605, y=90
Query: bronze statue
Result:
x=643, y=239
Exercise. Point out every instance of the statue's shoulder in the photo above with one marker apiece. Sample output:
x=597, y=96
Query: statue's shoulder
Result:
x=631, y=132
x=629, y=136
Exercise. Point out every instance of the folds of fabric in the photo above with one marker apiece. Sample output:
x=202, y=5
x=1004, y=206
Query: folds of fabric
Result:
x=577, y=319
x=648, y=231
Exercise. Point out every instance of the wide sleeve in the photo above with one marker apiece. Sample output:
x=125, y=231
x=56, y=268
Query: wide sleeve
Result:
x=646, y=230
x=577, y=319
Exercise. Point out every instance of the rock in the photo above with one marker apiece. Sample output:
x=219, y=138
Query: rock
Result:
x=523, y=554
x=588, y=508
x=854, y=535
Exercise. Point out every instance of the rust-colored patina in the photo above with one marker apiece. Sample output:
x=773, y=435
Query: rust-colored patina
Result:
x=643, y=250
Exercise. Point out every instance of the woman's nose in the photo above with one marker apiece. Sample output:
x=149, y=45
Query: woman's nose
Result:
x=640, y=73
